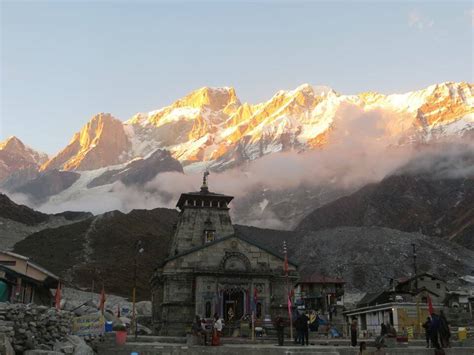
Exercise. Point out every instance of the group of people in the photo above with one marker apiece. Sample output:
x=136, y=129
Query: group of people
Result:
x=301, y=324
x=437, y=331
x=200, y=330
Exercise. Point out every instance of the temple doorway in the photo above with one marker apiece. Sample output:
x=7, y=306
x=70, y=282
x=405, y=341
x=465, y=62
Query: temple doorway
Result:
x=233, y=301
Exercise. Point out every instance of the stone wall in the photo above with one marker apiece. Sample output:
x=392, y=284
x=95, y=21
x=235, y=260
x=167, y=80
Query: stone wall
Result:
x=191, y=225
x=33, y=327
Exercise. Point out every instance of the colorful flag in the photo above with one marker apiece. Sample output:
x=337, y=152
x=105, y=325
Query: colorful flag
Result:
x=102, y=300
x=57, y=298
x=430, y=305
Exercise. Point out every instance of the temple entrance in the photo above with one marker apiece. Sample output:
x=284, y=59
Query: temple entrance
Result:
x=233, y=301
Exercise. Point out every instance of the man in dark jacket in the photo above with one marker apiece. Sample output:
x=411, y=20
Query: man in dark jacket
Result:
x=280, y=327
x=304, y=329
x=354, y=327
x=444, y=332
x=434, y=330
x=427, y=327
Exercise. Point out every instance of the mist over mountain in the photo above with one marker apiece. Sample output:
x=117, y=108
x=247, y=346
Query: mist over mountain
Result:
x=281, y=159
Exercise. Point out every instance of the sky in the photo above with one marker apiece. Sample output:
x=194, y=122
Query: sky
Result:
x=63, y=62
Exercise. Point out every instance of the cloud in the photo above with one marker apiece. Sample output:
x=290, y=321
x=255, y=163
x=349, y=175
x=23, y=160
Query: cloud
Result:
x=364, y=146
x=416, y=20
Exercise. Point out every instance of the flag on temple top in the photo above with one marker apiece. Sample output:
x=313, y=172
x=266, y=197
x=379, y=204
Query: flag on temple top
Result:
x=430, y=305
x=102, y=300
x=57, y=297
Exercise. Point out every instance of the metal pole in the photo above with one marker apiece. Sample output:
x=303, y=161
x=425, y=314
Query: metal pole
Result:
x=288, y=292
x=418, y=320
x=414, y=266
x=134, y=317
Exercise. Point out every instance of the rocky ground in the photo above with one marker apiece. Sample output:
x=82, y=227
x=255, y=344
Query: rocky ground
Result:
x=33, y=327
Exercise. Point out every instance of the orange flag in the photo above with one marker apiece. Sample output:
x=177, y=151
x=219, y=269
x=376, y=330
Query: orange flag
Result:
x=102, y=300
x=57, y=297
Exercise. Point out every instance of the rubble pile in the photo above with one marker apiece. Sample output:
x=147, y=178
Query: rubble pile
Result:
x=33, y=327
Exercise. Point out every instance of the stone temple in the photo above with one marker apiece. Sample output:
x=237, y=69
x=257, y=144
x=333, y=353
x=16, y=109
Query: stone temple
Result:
x=211, y=269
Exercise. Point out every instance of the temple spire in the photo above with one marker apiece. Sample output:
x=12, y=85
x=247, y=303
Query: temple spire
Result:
x=204, y=187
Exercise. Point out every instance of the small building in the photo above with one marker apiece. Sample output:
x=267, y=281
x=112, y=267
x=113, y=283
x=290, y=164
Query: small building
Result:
x=399, y=308
x=434, y=284
x=23, y=281
x=319, y=292
x=212, y=269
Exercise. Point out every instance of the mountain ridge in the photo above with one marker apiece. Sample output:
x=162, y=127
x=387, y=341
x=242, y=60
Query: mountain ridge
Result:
x=212, y=126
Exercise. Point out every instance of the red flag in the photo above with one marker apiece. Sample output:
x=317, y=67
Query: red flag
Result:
x=57, y=298
x=102, y=300
x=430, y=305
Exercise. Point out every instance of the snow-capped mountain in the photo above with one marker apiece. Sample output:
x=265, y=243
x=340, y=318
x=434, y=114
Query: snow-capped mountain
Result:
x=16, y=158
x=212, y=126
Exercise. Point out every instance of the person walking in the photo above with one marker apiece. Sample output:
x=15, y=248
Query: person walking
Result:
x=217, y=330
x=444, y=331
x=280, y=327
x=354, y=332
x=427, y=326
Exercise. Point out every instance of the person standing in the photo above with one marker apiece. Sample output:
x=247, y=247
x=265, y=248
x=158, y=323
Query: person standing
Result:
x=217, y=330
x=354, y=332
x=434, y=331
x=304, y=329
x=280, y=327
x=427, y=326
x=444, y=332
x=383, y=329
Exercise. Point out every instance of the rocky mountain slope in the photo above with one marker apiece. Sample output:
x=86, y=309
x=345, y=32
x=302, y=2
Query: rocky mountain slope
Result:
x=102, y=248
x=433, y=196
x=19, y=221
x=101, y=142
x=17, y=159
x=364, y=256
